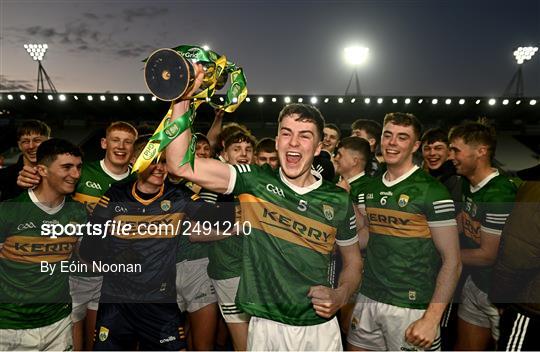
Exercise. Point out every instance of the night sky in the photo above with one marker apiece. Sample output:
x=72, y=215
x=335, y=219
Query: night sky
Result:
x=424, y=47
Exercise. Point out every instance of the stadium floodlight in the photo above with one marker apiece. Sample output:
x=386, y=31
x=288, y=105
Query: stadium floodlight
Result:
x=314, y=100
x=75, y=97
x=206, y=47
x=477, y=101
x=521, y=54
x=153, y=98
x=326, y=100
x=407, y=101
x=115, y=97
x=37, y=52
x=353, y=100
x=287, y=100
x=367, y=100
x=435, y=101
x=394, y=101
x=35, y=97
x=50, y=97
x=532, y=102
x=300, y=100
x=90, y=98
x=518, y=102
x=141, y=97
x=10, y=97
x=380, y=100
x=492, y=101
x=62, y=97
x=248, y=99
x=355, y=56
x=260, y=100
x=461, y=101
x=235, y=100
x=102, y=98
x=340, y=100
x=448, y=101
x=505, y=102
x=274, y=99
x=22, y=97
x=420, y=101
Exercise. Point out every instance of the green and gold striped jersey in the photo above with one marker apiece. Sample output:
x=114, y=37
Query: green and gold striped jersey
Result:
x=288, y=250
x=30, y=295
x=402, y=262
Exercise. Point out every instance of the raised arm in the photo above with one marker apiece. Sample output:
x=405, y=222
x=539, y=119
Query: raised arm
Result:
x=208, y=173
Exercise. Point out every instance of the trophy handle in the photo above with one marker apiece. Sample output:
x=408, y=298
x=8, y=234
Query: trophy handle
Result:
x=168, y=75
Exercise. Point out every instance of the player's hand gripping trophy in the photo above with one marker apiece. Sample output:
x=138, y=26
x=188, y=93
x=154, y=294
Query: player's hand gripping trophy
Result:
x=192, y=74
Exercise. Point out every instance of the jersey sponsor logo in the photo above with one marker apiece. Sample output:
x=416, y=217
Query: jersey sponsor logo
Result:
x=397, y=223
x=386, y=193
x=276, y=190
x=26, y=249
x=26, y=226
x=328, y=212
x=287, y=224
x=103, y=333
x=403, y=200
x=94, y=185
x=165, y=205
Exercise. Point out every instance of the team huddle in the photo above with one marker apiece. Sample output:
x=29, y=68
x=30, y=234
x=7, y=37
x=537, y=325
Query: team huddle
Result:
x=334, y=243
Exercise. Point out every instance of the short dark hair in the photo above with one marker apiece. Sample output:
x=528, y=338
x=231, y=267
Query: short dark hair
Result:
x=476, y=132
x=140, y=143
x=434, y=135
x=226, y=131
x=33, y=127
x=357, y=144
x=333, y=127
x=373, y=128
x=306, y=113
x=239, y=137
x=49, y=150
x=404, y=119
x=267, y=145
x=201, y=138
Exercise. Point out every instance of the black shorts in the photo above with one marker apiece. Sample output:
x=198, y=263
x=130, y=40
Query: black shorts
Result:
x=139, y=326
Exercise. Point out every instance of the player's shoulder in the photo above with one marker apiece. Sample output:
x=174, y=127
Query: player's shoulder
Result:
x=501, y=187
x=331, y=191
x=92, y=167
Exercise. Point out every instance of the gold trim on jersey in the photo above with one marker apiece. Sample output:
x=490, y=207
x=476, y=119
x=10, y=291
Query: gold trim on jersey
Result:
x=287, y=225
x=148, y=226
x=89, y=201
x=33, y=250
x=397, y=223
x=146, y=201
x=469, y=226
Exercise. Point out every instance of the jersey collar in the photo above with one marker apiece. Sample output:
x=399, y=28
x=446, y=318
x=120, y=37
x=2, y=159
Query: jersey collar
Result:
x=302, y=190
x=356, y=177
x=48, y=210
x=400, y=178
x=111, y=174
x=484, y=181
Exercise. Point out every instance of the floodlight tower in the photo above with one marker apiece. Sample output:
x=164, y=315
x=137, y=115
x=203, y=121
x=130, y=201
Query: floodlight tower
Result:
x=521, y=54
x=37, y=51
x=355, y=56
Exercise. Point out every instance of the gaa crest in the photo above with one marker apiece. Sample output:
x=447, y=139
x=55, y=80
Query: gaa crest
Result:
x=165, y=205
x=403, y=200
x=328, y=212
x=103, y=333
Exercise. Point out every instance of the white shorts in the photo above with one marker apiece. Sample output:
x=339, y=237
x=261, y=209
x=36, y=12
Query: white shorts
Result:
x=54, y=337
x=226, y=294
x=269, y=335
x=380, y=326
x=194, y=290
x=476, y=308
x=85, y=292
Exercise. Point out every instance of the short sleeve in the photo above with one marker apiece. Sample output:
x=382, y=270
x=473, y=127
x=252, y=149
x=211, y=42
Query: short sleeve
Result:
x=346, y=233
x=440, y=208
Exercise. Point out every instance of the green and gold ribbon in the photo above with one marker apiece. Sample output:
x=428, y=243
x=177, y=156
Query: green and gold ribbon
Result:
x=215, y=66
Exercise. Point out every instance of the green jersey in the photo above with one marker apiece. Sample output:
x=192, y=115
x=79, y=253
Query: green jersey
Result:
x=402, y=262
x=485, y=208
x=94, y=182
x=293, y=232
x=358, y=185
x=31, y=297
